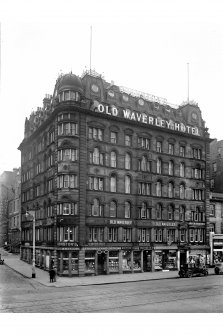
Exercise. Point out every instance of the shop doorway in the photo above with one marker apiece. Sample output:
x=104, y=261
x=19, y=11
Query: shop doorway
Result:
x=183, y=257
x=101, y=263
x=147, y=261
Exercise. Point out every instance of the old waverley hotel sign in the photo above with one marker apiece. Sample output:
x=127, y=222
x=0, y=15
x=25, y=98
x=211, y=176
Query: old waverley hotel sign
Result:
x=143, y=118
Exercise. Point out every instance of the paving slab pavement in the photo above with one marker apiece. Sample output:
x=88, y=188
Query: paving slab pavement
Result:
x=13, y=261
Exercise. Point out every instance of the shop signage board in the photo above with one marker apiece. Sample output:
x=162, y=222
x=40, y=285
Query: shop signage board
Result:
x=196, y=223
x=66, y=244
x=121, y=222
x=170, y=224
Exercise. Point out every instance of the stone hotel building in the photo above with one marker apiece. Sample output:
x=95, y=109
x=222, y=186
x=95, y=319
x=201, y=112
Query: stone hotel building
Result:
x=118, y=180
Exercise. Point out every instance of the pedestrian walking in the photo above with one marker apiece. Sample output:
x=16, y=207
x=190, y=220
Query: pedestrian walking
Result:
x=52, y=274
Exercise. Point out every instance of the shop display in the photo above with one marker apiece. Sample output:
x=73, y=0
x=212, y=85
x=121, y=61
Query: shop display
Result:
x=126, y=261
x=137, y=261
x=89, y=262
x=158, y=261
x=113, y=262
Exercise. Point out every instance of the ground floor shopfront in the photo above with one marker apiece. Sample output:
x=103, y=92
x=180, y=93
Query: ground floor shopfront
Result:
x=110, y=260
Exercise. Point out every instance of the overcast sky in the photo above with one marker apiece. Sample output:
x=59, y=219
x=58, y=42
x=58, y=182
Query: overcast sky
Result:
x=143, y=45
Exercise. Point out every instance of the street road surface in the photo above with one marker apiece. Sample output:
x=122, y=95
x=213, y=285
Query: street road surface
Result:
x=198, y=294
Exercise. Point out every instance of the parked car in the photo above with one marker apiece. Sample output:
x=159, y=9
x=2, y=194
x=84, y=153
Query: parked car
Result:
x=218, y=268
x=190, y=270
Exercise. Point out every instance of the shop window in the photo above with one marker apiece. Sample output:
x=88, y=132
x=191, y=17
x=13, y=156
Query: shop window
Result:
x=89, y=261
x=137, y=260
x=113, y=209
x=113, y=137
x=65, y=261
x=113, y=261
x=127, y=234
x=127, y=161
x=113, y=159
x=112, y=234
x=74, y=261
x=95, y=134
x=126, y=260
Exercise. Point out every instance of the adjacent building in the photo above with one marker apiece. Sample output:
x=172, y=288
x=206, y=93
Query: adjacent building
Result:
x=14, y=216
x=216, y=166
x=7, y=190
x=118, y=180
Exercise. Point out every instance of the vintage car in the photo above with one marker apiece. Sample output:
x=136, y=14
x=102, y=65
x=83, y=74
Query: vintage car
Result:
x=218, y=268
x=190, y=270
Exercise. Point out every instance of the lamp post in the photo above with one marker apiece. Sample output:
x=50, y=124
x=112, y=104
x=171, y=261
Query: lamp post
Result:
x=32, y=214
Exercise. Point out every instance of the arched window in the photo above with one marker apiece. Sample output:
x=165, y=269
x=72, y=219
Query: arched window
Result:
x=127, y=161
x=127, y=184
x=170, y=190
x=170, y=212
x=144, y=211
x=127, y=210
x=113, y=183
x=159, y=211
x=182, y=213
x=96, y=208
x=182, y=191
x=96, y=156
x=144, y=164
x=159, y=188
x=113, y=209
x=159, y=166
x=113, y=159
x=182, y=170
x=171, y=167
